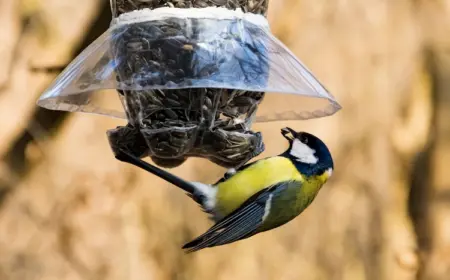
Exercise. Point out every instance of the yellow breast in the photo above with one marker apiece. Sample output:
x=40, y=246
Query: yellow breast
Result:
x=266, y=172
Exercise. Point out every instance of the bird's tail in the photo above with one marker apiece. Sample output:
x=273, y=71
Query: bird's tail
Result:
x=203, y=194
x=190, y=188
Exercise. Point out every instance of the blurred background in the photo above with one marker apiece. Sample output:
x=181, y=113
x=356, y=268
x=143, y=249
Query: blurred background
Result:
x=69, y=210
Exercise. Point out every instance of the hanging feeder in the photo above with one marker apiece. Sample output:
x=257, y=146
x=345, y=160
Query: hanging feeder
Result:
x=190, y=81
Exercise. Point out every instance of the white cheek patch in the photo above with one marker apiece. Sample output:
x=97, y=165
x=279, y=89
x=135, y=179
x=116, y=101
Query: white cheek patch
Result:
x=303, y=153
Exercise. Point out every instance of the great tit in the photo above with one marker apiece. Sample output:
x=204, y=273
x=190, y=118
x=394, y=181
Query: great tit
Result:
x=259, y=196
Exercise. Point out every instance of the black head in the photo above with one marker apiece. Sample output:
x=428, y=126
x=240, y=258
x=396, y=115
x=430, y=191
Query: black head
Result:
x=307, y=152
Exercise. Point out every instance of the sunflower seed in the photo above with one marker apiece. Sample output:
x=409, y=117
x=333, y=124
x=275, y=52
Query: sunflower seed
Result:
x=154, y=60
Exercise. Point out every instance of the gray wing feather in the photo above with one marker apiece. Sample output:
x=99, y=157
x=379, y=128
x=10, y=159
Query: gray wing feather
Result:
x=248, y=221
x=241, y=223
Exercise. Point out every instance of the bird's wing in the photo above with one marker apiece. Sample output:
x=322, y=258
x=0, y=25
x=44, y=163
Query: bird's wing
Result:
x=241, y=223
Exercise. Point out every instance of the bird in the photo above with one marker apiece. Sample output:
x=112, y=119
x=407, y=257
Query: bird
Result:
x=259, y=196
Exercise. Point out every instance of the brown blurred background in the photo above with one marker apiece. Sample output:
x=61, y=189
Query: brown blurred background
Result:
x=69, y=210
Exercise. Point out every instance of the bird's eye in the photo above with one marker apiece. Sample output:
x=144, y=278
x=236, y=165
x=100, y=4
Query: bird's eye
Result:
x=304, y=139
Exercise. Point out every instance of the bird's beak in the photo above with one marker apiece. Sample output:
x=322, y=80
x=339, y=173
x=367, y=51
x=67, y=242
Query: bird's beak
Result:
x=288, y=133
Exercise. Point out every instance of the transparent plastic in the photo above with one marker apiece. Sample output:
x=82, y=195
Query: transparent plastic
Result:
x=168, y=48
x=191, y=82
x=173, y=143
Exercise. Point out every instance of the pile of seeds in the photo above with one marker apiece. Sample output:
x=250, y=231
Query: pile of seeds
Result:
x=172, y=125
